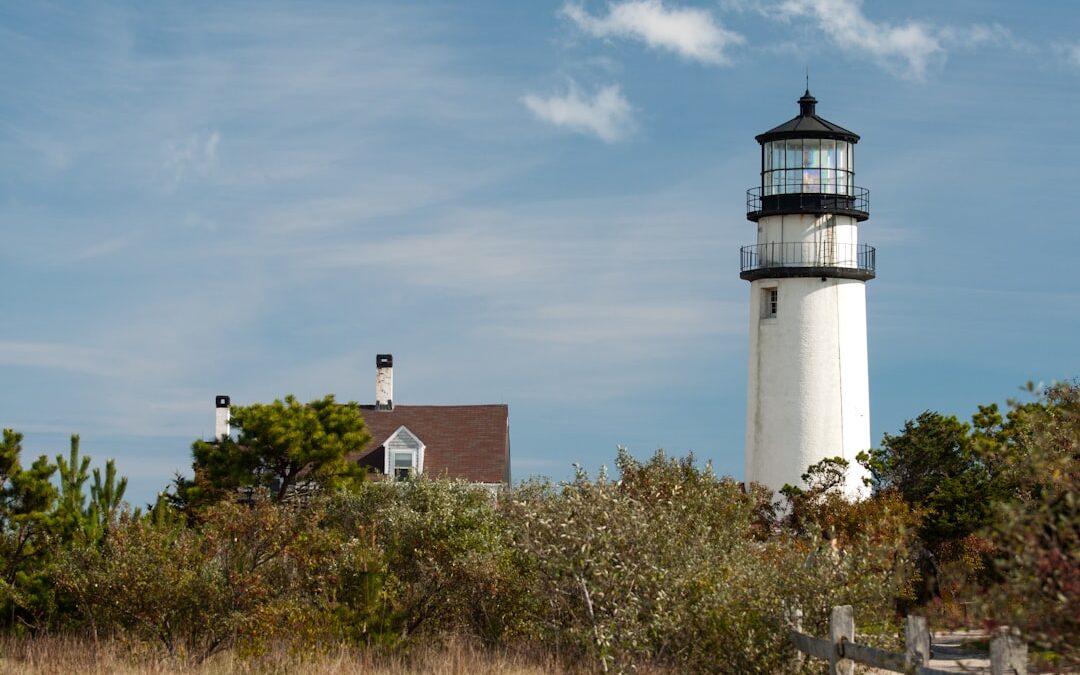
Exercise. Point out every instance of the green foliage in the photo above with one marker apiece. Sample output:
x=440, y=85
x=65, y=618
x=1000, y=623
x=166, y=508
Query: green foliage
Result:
x=376, y=566
x=669, y=565
x=960, y=480
x=38, y=522
x=248, y=574
x=73, y=473
x=76, y=519
x=447, y=559
x=809, y=508
x=1038, y=530
x=106, y=500
x=935, y=466
x=27, y=521
x=666, y=567
x=277, y=445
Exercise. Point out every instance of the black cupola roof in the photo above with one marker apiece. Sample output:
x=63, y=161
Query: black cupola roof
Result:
x=808, y=125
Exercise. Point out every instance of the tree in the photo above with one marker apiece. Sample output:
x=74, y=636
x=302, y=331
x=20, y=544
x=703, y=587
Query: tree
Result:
x=106, y=499
x=27, y=499
x=937, y=467
x=1037, y=531
x=77, y=519
x=809, y=509
x=277, y=446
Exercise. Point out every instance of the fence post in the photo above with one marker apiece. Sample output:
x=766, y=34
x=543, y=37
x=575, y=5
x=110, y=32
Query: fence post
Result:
x=1008, y=653
x=793, y=617
x=917, y=639
x=841, y=626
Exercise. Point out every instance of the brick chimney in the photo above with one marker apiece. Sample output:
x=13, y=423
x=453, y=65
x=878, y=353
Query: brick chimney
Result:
x=384, y=382
x=221, y=417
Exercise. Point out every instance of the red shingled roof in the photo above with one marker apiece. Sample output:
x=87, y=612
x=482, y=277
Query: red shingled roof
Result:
x=471, y=442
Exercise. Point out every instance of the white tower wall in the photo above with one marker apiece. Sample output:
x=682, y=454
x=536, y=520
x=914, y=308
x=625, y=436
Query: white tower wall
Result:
x=808, y=390
x=837, y=232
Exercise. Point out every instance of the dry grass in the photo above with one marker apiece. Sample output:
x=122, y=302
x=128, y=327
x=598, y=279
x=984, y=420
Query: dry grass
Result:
x=65, y=655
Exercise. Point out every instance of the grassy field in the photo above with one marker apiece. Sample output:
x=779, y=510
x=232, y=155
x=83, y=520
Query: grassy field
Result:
x=69, y=655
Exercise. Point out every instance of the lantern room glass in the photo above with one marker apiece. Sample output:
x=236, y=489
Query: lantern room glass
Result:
x=814, y=165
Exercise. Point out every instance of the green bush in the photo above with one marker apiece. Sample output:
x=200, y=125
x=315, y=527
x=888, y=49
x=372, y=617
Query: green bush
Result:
x=447, y=558
x=1037, y=532
x=247, y=574
x=670, y=566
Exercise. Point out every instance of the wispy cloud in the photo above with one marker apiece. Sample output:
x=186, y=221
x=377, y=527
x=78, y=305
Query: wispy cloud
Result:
x=76, y=358
x=465, y=259
x=1070, y=53
x=606, y=115
x=691, y=33
x=49, y=152
x=978, y=35
x=191, y=156
x=909, y=49
x=623, y=321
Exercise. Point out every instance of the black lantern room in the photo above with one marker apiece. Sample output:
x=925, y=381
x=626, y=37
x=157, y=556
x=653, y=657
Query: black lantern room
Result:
x=808, y=166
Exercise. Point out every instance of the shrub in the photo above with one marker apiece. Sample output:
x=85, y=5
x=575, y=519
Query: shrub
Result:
x=247, y=574
x=1038, y=532
x=447, y=558
x=669, y=566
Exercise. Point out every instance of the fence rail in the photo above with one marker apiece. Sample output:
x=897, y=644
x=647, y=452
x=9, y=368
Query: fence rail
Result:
x=1008, y=653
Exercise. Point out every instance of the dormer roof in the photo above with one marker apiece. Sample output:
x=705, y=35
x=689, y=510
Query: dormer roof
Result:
x=470, y=442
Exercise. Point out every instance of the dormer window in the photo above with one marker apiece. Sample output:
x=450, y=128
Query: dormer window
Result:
x=404, y=464
x=404, y=454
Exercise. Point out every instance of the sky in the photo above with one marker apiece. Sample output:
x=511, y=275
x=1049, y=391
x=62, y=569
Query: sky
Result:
x=531, y=203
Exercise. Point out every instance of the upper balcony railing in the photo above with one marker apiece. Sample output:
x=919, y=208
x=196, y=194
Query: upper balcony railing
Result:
x=808, y=259
x=777, y=199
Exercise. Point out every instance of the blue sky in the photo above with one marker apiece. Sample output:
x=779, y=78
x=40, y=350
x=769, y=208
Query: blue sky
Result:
x=536, y=203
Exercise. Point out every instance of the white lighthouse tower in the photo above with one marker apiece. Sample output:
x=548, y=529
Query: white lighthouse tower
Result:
x=808, y=396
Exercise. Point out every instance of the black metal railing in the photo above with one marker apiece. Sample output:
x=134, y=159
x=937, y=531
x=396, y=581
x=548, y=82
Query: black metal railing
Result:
x=772, y=199
x=799, y=254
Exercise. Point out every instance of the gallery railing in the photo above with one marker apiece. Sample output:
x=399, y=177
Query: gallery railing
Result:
x=777, y=199
x=857, y=261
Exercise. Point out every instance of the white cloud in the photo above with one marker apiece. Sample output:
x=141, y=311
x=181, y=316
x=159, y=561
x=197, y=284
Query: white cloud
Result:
x=908, y=49
x=1071, y=54
x=691, y=33
x=913, y=44
x=192, y=156
x=977, y=35
x=606, y=115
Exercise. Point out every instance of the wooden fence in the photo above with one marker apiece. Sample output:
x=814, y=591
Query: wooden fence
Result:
x=1008, y=653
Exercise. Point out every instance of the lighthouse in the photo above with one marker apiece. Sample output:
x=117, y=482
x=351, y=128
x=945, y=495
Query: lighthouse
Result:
x=808, y=395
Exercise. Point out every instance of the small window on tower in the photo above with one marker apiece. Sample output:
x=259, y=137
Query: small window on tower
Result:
x=768, y=303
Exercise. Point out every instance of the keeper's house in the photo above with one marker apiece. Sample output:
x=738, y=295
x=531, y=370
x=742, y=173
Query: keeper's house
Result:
x=469, y=442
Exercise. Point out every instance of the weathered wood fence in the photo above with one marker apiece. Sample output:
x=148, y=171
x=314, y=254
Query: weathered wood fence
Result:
x=1008, y=653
